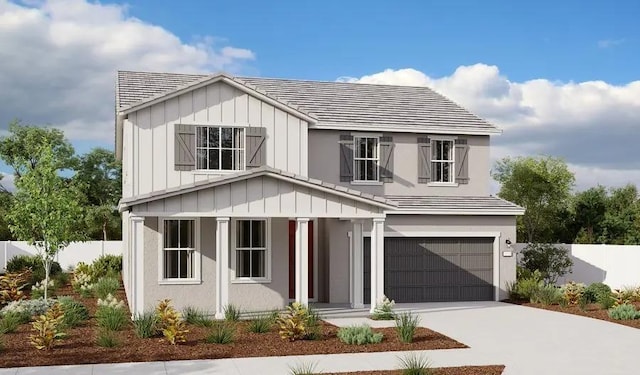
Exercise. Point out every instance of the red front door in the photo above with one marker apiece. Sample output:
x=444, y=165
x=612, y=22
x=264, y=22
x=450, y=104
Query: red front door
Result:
x=292, y=259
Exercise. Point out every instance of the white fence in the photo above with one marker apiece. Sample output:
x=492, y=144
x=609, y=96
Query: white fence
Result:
x=615, y=265
x=76, y=252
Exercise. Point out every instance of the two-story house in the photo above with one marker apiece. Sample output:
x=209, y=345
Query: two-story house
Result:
x=257, y=192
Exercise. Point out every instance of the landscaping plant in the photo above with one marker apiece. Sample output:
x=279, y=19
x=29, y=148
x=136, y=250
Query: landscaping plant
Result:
x=171, y=323
x=222, y=333
x=107, y=339
x=146, y=324
x=33, y=263
x=11, y=285
x=10, y=322
x=415, y=364
x=592, y=292
x=624, y=312
x=106, y=266
x=261, y=324
x=359, y=335
x=406, y=326
x=551, y=261
x=231, y=313
x=111, y=314
x=105, y=286
x=305, y=368
x=47, y=328
x=547, y=295
x=28, y=307
x=384, y=309
x=75, y=313
x=37, y=290
x=298, y=323
x=527, y=287
x=572, y=292
x=195, y=316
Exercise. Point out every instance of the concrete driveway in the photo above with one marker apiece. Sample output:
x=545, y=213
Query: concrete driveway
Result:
x=528, y=341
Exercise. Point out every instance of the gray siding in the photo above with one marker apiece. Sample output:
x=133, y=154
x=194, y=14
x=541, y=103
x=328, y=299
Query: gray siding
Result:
x=324, y=164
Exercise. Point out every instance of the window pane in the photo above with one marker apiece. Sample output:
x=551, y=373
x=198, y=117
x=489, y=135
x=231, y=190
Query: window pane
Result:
x=214, y=159
x=446, y=172
x=201, y=136
x=185, y=266
x=201, y=159
x=226, y=137
x=258, y=233
x=186, y=234
x=436, y=150
x=238, y=160
x=238, y=136
x=258, y=264
x=214, y=137
x=372, y=171
x=361, y=147
x=359, y=172
x=436, y=171
x=371, y=148
x=243, y=263
x=243, y=233
x=170, y=264
x=227, y=160
x=447, y=150
x=171, y=233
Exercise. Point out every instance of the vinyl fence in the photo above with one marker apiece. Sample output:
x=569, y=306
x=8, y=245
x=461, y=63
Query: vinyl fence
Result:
x=76, y=252
x=615, y=265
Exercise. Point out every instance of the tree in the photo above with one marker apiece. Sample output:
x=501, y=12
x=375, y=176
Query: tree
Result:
x=99, y=175
x=622, y=217
x=6, y=200
x=551, y=261
x=21, y=149
x=590, y=207
x=542, y=185
x=47, y=209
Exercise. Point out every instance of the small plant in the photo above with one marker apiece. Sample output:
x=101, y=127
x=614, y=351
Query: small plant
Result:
x=75, y=313
x=10, y=322
x=261, y=324
x=11, y=285
x=195, y=316
x=62, y=278
x=623, y=296
x=146, y=324
x=171, y=323
x=624, y=312
x=406, y=326
x=110, y=301
x=81, y=281
x=47, y=328
x=550, y=261
x=547, y=295
x=106, y=266
x=414, y=364
x=107, y=339
x=222, y=333
x=572, y=292
x=527, y=287
x=29, y=308
x=305, y=368
x=384, y=310
x=605, y=300
x=21, y=263
x=592, y=292
x=359, y=335
x=299, y=323
x=231, y=313
x=106, y=286
x=111, y=314
x=37, y=290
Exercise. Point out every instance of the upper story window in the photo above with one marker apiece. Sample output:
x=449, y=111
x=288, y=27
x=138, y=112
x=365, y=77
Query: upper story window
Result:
x=366, y=159
x=220, y=148
x=442, y=160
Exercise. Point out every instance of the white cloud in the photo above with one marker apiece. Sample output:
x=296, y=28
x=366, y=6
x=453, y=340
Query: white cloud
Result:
x=608, y=43
x=594, y=126
x=8, y=181
x=60, y=57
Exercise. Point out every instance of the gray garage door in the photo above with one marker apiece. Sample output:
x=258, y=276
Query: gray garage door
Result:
x=434, y=269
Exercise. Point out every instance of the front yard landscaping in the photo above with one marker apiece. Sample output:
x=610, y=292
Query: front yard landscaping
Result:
x=467, y=370
x=91, y=325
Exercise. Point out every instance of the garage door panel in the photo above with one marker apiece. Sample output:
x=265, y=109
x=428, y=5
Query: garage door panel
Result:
x=476, y=261
x=440, y=277
x=476, y=293
x=476, y=277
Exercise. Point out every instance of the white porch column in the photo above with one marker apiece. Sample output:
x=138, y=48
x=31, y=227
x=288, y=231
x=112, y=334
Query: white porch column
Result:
x=357, y=266
x=137, y=260
x=302, y=260
x=377, y=262
x=222, y=265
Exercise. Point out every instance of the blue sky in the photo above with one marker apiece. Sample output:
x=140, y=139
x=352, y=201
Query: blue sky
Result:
x=560, y=78
x=556, y=40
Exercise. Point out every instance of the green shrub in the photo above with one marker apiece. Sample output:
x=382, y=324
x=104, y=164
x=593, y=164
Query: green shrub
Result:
x=222, y=333
x=527, y=287
x=261, y=324
x=299, y=322
x=551, y=261
x=547, y=295
x=62, y=279
x=359, y=335
x=10, y=322
x=605, y=300
x=28, y=307
x=107, y=339
x=75, y=313
x=146, y=324
x=414, y=364
x=384, y=310
x=305, y=368
x=111, y=318
x=406, y=326
x=231, y=313
x=624, y=312
x=22, y=262
x=105, y=286
x=592, y=292
x=106, y=266
x=196, y=317
x=37, y=289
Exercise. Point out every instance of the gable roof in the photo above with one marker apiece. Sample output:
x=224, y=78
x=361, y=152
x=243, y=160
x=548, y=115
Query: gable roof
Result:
x=262, y=171
x=330, y=105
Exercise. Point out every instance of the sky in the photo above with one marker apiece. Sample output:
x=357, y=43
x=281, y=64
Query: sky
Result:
x=560, y=78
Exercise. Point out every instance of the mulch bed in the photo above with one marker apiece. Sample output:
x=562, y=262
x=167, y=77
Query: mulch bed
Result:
x=590, y=311
x=79, y=347
x=467, y=370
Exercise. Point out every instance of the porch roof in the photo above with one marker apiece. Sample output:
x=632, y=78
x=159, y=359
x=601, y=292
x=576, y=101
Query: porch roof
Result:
x=263, y=191
x=454, y=205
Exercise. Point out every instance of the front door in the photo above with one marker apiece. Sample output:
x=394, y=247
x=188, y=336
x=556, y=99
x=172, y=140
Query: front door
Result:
x=292, y=259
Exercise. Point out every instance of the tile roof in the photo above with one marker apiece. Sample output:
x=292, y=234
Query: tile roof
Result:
x=333, y=104
x=455, y=204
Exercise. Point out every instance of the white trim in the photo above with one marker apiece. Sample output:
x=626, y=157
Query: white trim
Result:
x=215, y=124
x=376, y=160
x=315, y=260
x=480, y=212
x=357, y=134
x=220, y=148
x=137, y=233
x=443, y=184
x=222, y=265
x=302, y=260
x=356, y=262
x=451, y=161
x=233, y=247
x=496, y=267
x=197, y=253
x=440, y=137
x=367, y=183
x=413, y=129
x=190, y=214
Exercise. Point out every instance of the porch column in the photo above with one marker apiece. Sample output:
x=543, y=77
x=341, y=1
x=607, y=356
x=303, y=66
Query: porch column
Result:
x=302, y=260
x=357, y=266
x=222, y=265
x=137, y=259
x=377, y=262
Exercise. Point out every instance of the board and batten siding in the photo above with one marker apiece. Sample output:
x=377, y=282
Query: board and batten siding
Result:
x=148, y=147
x=258, y=197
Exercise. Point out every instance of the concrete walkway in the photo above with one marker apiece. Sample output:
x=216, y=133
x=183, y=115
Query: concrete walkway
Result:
x=528, y=341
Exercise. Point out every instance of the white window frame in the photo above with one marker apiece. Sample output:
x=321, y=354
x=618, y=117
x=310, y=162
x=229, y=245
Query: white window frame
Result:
x=234, y=248
x=197, y=254
x=375, y=159
x=219, y=127
x=452, y=161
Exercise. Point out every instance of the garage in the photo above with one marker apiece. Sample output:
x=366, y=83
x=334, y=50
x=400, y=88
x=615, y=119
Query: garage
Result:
x=434, y=269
